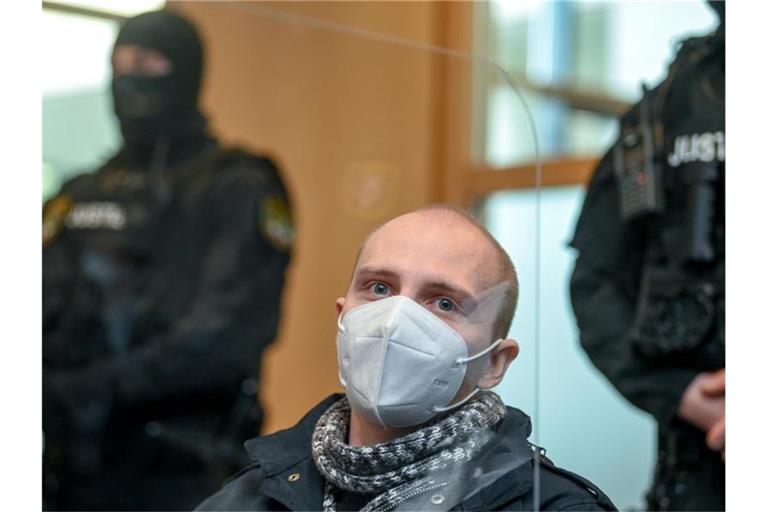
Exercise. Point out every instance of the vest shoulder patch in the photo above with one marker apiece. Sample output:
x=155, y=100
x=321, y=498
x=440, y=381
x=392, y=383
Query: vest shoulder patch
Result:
x=275, y=222
x=55, y=214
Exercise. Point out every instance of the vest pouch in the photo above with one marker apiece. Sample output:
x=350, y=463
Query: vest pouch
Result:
x=675, y=313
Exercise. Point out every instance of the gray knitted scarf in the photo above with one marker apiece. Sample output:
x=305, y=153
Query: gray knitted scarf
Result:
x=401, y=468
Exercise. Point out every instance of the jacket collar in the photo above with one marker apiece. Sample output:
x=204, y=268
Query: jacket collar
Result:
x=284, y=449
x=501, y=472
x=503, y=469
x=285, y=457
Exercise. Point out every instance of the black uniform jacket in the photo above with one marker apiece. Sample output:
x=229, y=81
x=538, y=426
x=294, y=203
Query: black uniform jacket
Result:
x=284, y=477
x=606, y=280
x=199, y=269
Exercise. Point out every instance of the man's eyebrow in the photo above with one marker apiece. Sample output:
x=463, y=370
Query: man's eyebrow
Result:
x=379, y=271
x=449, y=287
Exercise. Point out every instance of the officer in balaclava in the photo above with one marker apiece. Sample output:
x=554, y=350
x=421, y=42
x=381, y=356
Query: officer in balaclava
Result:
x=157, y=68
x=162, y=277
x=648, y=287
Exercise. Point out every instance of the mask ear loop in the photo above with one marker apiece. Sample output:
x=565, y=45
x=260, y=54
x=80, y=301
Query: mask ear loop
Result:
x=476, y=390
x=492, y=346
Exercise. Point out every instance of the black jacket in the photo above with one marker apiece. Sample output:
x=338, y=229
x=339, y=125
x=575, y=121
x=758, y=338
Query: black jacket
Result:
x=617, y=259
x=613, y=254
x=193, y=263
x=161, y=289
x=284, y=477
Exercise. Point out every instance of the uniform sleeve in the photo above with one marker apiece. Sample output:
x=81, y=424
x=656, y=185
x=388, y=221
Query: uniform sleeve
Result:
x=605, y=273
x=59, y=261
x=233, y=316
x=67, y=309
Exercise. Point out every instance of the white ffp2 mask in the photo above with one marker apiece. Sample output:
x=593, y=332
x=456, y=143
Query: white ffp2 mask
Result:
x=399, y=363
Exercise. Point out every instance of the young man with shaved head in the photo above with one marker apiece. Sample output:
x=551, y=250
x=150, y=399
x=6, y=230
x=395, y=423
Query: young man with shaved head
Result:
x=421, y=340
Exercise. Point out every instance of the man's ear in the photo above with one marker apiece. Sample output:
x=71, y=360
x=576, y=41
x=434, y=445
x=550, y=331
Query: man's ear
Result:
x=340, y=304
x=501, y=358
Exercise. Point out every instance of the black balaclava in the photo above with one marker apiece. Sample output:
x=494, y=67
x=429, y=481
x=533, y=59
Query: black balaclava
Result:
x=161, y=111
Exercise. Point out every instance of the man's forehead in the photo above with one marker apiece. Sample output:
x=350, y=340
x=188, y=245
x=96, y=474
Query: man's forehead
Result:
x=444, y=244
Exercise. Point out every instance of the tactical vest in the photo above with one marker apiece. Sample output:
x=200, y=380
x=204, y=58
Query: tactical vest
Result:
x=670, y=170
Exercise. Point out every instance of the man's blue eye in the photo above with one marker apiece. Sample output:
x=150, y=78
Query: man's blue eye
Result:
x=380, y=289
x=445, y=305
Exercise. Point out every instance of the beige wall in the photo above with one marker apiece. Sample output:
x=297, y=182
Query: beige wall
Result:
x=352, y=123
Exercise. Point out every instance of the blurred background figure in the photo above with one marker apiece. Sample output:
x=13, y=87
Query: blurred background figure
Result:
x=648, y=287
x=162, y=280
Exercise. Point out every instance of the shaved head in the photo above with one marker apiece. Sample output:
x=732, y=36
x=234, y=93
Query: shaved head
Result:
x=502, y=272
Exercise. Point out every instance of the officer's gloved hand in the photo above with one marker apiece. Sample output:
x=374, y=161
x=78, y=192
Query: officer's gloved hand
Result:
x=76, y=408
